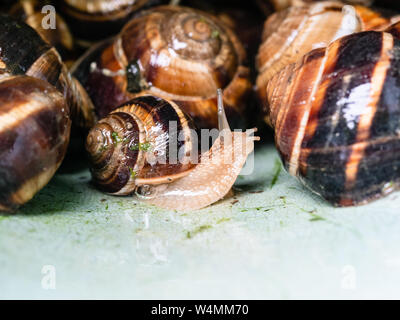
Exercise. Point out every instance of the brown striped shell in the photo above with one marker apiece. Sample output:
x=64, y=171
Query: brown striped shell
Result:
x=290, y=34
x=336, y=114
x=98, y=19
x=131, y=146
x=30, y=11
x=148, y=146
x=180, y=54
x=24, y=52
x=38, y=99
x=34, y=135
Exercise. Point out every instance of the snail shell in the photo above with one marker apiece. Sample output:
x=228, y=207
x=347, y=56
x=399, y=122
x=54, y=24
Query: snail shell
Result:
x=24, y=52
x=34, y=135
x=336, y=115
x=180, y=54
x=30, y=11
x=99, y=19
x=290, y=34
x=123, y=167
x=131, y=146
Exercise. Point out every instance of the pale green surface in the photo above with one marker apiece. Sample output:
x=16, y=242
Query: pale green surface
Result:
x=280, y=243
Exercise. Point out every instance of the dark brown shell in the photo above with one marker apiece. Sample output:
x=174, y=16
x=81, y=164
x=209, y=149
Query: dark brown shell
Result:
x=132, y=146
x=291, y=33
x=24, y=52
x=336, y=115
x=181, y=54
x=34, y=135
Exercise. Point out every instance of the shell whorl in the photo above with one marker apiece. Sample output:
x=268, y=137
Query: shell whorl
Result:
x=193, y=45
x=131, y=147
x=181, y=54
x=34, y=135
x=336, y=116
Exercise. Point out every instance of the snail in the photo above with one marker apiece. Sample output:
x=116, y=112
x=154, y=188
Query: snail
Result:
x=290, y=34
x=336, y=117
x=178, y=53
x=38, y=99
x=130, y=151
x=34, y=13
x=93, y=20
x=24, y=52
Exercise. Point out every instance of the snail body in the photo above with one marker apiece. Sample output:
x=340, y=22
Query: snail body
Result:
x=131, y=164
x=290, y=34
x=177, y=53
x=336, y=117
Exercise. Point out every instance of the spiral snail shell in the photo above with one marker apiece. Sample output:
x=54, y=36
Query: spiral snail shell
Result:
x=125, y=148
x=290, y=34
x=336, y=116
x=180, y=54
x=124, y=145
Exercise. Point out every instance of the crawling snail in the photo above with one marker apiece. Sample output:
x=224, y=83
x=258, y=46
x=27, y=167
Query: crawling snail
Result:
x=336, y=115
x=38, y=98
x=30, y=11
x=125, y=149
x=290, y=34
x=93, y=20
x=177, y=53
